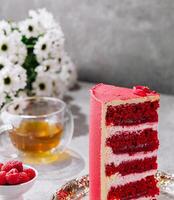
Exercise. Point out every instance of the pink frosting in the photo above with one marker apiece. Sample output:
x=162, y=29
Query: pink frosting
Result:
x=105, y=93
x=94, y=148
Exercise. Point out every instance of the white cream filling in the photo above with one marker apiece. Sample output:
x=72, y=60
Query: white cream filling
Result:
x=132, y=101
x=114, y=130
x=119, y=180
x=119, y=158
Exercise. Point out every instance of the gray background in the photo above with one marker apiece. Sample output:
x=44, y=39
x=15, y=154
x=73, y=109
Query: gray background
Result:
x=125, y=42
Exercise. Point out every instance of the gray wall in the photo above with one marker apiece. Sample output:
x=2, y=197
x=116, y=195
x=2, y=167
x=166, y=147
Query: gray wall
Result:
x=125, y=42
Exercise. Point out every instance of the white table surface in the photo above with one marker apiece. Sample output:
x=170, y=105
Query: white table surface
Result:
x=78, y=101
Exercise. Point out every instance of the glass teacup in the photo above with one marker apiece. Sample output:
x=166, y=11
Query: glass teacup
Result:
x=38, y=126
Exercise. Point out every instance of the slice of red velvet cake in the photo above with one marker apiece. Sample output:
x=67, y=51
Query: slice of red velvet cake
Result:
x=123, y=143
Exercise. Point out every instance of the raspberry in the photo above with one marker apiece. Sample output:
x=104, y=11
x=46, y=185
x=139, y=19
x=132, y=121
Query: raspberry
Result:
x=1, y=164
x=140, y=92
x=30, y=172
x=62, y=194
x=13, y=171
x=3, y=178
x=12, y=164
x=23, y=177
x=12, y=177
x=144, y=88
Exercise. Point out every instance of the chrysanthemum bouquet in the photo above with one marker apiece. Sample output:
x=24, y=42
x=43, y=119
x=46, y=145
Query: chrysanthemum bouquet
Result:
x=32, y=58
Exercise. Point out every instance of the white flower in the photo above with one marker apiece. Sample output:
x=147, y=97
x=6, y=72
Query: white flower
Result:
x=56, y=36
x=12, y=79
x=40, y=70
x=21, y=94
x=49, y=85
x=5, y=28
x=45, y=18
x=42, y=49
x=51, y=65
x=14, y=25
x=15, y=108
x=57, y=40
x=42, y=86
x=49, y=46
x=8, y=81
x=48, y=66
x=4, y=63
x=7, y=46
x=30, y=28
x=20, y=105
x=13, y=48
x=2, y=98
x=20, y=53
x=68, y=73
x=59, y=88
x=22, y=75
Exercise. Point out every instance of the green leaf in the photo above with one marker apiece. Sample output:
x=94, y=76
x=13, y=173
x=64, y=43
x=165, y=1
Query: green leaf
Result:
x=29, y=41
x=30, y=65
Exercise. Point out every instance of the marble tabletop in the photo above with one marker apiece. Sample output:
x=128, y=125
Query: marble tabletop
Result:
x=78, y=101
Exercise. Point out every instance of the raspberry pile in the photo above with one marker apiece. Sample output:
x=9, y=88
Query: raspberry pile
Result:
x=142, y=90
x=13, y=173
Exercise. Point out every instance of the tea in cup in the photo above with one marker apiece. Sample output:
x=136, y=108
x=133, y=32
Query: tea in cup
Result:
x=38, y=125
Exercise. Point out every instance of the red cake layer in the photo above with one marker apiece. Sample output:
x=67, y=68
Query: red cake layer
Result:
x=132, y=142
x=130, y=167
x=146, y=187
x=132, y=114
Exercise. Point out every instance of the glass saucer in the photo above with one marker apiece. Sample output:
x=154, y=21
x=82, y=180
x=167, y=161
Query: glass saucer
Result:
x=59, y=166
x=67, y=166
